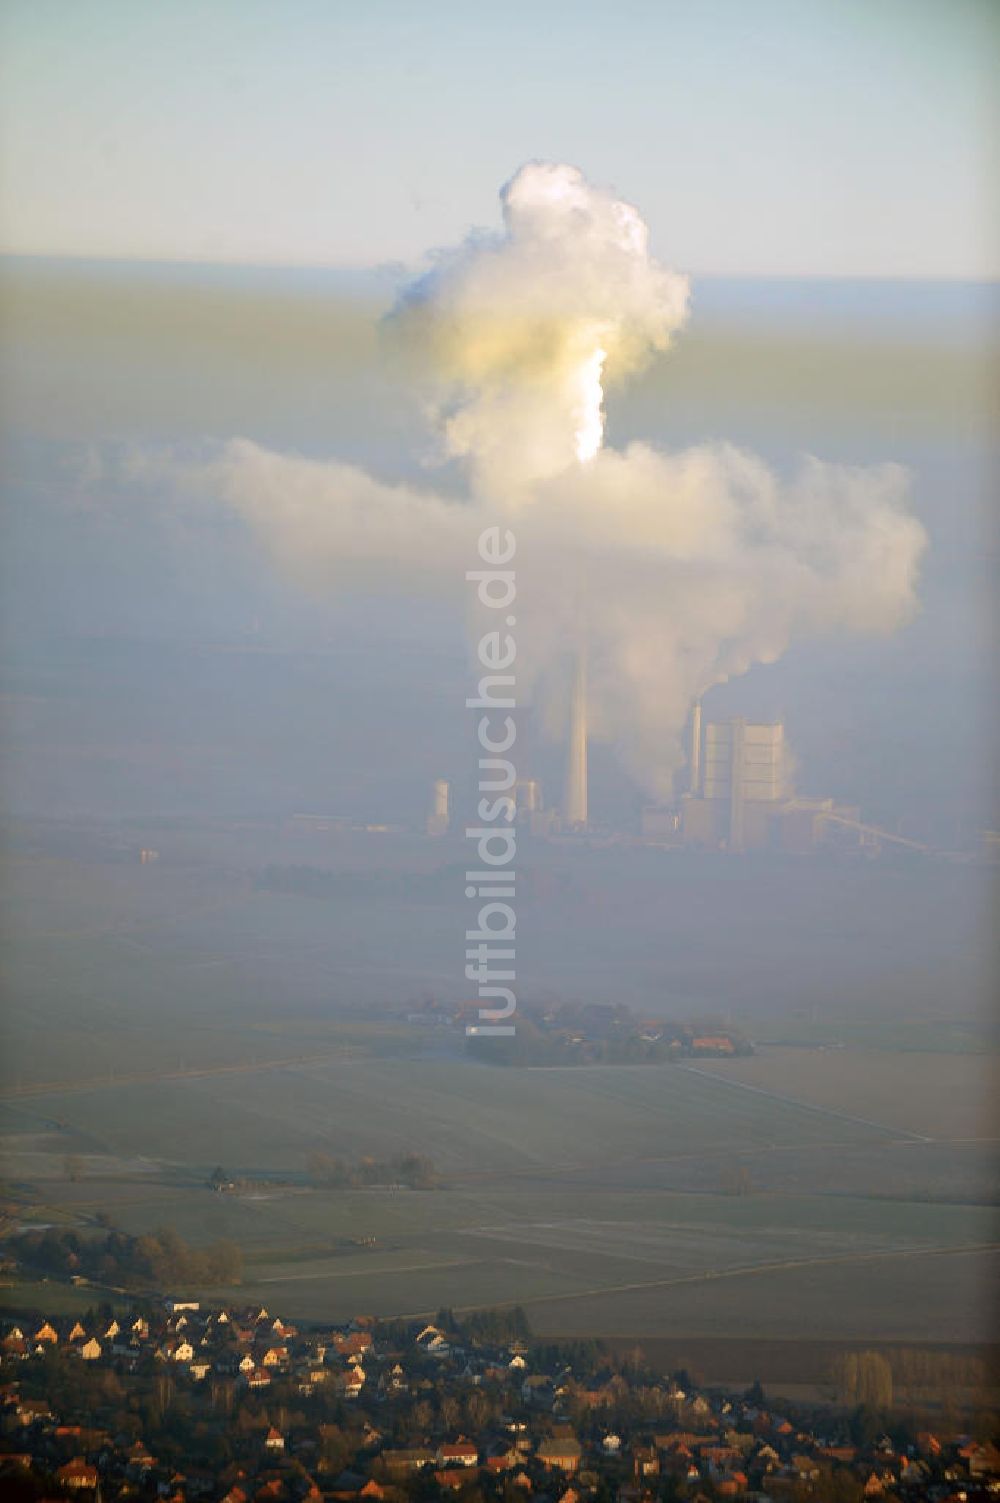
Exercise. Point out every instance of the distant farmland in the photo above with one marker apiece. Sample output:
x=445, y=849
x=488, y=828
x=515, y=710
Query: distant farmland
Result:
x=934, y=1094
x=603, y=1199
x=471, y=1119
x=802, y=1195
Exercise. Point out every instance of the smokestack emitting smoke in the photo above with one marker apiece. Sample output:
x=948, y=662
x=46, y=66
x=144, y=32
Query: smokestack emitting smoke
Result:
x=575, y=810
x=698, y=563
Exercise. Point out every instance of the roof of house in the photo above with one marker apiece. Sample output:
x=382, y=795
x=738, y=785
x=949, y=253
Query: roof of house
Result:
x=555, y=1448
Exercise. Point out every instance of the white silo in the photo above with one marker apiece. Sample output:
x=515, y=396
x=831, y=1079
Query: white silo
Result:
x=440, y=817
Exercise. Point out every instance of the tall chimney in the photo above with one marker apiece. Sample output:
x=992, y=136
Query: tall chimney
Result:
x=694, y=756
x=575, y=794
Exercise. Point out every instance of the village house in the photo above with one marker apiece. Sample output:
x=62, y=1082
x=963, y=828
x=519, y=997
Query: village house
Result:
x=393, y=1381
x=879, y=1482
x=31, y=1411
x=140, y=1459
x=645, y=1462
x=433, y=1341
x=502, y=1457
x=981, y=1460
x=714, y=1043
x=413, y=1459
x=804, y=1468
x=460, y=1453
x=78, y=1475
x=275, y=1356
x=351, y=1343
x=563, y=1454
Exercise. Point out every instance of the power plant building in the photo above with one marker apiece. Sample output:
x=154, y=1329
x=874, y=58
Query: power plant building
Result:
x=740, y=796
x=739, y=782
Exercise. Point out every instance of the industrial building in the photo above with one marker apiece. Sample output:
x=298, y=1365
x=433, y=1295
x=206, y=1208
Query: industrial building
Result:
x=741, y=775
x=740, y=796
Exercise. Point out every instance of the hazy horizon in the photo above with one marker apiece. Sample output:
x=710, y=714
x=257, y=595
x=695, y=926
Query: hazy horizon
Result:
x=392, y=131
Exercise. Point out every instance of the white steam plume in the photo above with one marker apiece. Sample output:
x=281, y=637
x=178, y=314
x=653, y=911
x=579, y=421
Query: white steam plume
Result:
x=684, y=569
x=520, y=329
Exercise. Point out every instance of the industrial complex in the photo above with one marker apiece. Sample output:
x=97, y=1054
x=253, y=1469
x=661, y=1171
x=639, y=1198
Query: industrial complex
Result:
x=739, y=795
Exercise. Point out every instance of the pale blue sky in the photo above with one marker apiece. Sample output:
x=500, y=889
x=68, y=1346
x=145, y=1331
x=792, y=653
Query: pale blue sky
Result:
x=777, y=137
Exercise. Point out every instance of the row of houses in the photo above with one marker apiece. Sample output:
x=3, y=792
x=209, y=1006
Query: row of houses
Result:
x=366, y=1413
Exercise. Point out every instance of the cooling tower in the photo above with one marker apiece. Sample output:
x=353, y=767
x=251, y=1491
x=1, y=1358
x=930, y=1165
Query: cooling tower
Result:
x=575, y=794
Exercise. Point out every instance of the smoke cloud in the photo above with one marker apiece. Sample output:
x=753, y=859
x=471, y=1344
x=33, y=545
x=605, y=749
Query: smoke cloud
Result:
x=520, y=330
x=682, y=570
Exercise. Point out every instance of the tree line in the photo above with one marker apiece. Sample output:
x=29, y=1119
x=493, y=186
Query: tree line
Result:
x=414, y=1170
x=873, y=1378
x=158, y=1259
x=492, y=1327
